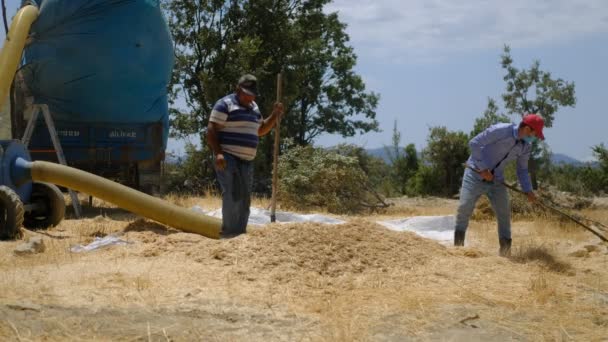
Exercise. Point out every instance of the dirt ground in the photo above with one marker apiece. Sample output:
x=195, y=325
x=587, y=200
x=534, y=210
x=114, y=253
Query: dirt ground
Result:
x=306, y=282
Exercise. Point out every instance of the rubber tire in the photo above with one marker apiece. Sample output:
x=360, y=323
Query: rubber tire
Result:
x=11, y=214
x=52, y=198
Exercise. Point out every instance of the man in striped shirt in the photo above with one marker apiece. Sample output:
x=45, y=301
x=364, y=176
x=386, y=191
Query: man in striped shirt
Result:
x=235, y=126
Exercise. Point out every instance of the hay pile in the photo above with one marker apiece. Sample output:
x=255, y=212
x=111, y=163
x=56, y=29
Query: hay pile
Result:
x=286, y=252
x=332, y=251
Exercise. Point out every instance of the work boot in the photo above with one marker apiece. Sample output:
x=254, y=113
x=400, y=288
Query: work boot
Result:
x=458, y=238
x=505, y=248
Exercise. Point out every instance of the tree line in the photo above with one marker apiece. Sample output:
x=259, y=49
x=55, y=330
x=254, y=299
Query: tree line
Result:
x=218, y=40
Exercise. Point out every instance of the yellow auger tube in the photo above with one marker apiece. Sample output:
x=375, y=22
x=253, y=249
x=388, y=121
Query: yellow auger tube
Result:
x=127, y=198
x=13, y=48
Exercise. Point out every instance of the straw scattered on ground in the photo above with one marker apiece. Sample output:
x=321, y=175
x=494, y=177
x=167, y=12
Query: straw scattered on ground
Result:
x=356, y=281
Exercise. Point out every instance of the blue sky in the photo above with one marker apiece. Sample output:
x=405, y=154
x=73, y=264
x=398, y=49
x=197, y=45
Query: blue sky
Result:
x=435, y=62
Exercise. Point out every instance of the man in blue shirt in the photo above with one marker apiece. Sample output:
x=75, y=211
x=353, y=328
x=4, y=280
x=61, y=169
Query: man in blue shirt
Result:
x=491, y=150
x=235, y=126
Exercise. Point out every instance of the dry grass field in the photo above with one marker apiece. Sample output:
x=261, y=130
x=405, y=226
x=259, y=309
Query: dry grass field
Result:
x=306, y=282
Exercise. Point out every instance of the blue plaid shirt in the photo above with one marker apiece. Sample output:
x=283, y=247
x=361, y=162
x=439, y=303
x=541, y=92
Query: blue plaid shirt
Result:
x=500, y=141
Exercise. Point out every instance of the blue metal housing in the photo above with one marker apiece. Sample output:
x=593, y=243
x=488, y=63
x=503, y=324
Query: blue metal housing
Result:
x=10, y=150
x=102, y=67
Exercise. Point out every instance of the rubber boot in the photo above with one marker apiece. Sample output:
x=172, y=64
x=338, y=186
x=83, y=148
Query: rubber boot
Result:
x=505, y=248
x=458, y=238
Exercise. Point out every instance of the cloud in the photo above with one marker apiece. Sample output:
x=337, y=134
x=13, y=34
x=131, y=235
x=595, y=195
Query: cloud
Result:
x=426, y=28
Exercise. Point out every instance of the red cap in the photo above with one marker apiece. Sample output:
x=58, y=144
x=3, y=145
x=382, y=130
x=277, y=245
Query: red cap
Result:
x=535, y=122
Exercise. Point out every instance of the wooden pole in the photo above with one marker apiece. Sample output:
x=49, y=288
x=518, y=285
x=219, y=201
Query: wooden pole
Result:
x=275, y=166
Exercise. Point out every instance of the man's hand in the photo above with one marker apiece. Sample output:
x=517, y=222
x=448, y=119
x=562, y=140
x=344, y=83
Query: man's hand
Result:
x=531, y=197
x=487, y=175
x=220, y=162
x=271, y=121
x=278, y=110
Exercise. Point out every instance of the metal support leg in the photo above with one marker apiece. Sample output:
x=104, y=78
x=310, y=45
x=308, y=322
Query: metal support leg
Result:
x=27, y=136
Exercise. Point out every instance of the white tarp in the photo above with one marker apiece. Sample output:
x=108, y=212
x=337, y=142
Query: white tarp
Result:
x=439, y=228
x=109, y=240
x=258, y=216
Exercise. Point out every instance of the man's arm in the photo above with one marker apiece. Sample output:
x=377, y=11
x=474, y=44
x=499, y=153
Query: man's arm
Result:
x=522, y=171
x=269, y=122
x=218, y=117
x=213, y=139
x=214, y=142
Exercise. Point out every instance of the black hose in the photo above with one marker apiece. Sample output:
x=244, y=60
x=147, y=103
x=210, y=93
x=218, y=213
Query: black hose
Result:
x=4, y=17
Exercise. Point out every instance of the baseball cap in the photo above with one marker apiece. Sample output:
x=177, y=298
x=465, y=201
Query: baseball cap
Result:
x=249, y=84
x=537, y=123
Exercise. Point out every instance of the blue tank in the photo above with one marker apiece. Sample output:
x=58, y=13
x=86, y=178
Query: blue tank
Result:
x=102, y=67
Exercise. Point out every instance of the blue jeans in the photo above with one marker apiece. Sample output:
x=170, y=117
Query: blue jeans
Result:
x=473, y=186
x=236, y=181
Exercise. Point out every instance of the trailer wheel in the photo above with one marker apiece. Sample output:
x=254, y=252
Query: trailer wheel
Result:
x=50, y=206
x=11, y=214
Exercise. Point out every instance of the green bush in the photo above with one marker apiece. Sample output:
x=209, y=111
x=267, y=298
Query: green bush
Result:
x=316, y=178
x=446, y=151
x=579, y=180
x=428, y=180
x=375, y=168
x=192, y=174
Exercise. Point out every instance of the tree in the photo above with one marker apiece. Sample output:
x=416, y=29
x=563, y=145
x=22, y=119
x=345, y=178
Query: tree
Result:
x=534, y=91
x=218, y=40
x=601, y=153
x=408, y=166
x=403, y=162
x=446, y=151
x=428, y=180
x=543, y=159
x=394, y=151
x=403, y=168
x=327, y=95
x=375, y=168
x=490, y=117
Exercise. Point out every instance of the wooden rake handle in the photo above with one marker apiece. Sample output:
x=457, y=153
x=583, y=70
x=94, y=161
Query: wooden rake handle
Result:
x=275, y=166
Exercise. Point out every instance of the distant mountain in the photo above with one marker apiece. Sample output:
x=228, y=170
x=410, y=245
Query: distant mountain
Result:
x=559, y=158
x=556, y=158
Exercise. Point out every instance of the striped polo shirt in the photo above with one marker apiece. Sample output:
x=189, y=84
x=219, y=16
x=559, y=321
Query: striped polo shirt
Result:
x=239, y=136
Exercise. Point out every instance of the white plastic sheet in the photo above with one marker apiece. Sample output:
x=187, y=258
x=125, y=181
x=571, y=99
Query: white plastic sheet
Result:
x=260, y=216
x=110, y=240
x=439, y=228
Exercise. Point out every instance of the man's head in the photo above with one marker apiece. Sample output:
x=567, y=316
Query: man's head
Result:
x=247, y=89
x=531, y=128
